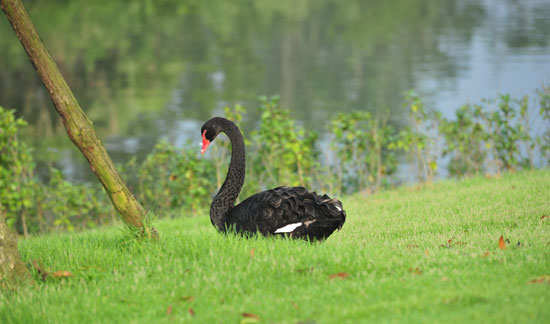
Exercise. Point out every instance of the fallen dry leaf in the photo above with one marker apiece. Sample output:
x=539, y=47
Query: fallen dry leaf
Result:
x=449, y=244
x=501, y=243
x=61, y=274
x=191, y=311
x=415, y=271
x=492, y=176
x=486, y=254
x=427, y=252
x=169, y=310
x=341, y=275
x=412, y=246
x=250, y=315
x=541, y=280
x=252, y=253
x=489, y=176
x=43, y=273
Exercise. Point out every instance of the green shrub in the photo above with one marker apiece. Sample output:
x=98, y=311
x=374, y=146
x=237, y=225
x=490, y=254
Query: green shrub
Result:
x=18, y=187
x=418, y=139
x=283, y=153
x=32, y=206
x=170, y=178
x=505, y=132
x=464, y=140
x=68, y=206
x=543, y=139
x=360, y=146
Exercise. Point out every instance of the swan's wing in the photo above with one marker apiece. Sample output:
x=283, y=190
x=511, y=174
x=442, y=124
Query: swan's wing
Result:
x=288, y=210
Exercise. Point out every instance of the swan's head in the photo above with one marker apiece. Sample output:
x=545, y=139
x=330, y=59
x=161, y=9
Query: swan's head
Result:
x=209, y=131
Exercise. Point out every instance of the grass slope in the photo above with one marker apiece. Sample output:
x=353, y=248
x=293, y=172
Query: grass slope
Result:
x=394, y=249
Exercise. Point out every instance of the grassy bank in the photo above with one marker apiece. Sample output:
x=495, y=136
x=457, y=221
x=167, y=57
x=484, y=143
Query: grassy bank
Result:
x=409, y=255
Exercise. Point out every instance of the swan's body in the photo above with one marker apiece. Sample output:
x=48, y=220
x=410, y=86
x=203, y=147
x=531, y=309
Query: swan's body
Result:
x=291, y=211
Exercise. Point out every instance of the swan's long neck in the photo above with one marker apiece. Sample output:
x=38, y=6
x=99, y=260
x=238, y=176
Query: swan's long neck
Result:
x=229, y=191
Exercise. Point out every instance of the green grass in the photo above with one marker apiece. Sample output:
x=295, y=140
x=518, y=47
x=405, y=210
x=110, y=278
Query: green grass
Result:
x=394, y=247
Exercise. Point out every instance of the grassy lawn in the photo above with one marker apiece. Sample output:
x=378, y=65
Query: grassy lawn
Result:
x=410, y=255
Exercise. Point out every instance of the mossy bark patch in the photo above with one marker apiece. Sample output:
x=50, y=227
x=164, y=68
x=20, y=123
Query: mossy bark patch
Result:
x=12, y=269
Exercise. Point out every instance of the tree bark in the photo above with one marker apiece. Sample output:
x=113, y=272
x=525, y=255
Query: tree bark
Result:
x=78, y=126
x=12, y=270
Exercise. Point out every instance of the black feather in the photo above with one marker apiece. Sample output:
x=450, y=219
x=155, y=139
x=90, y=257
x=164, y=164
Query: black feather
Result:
x=273, y=209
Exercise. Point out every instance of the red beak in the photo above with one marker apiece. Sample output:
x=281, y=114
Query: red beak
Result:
x=205, y=143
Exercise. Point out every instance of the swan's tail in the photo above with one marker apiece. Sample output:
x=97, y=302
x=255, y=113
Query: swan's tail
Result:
x=325, y=221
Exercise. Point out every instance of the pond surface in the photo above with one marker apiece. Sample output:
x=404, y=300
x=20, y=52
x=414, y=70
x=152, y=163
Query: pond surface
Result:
x=146, y=70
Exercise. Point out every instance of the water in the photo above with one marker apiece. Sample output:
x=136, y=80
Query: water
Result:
x=148, y=70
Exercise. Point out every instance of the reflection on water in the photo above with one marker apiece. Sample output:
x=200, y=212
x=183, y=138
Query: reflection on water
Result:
x=147, y=70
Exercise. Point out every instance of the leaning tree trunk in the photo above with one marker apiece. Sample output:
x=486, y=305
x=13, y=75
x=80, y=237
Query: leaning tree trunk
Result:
x=12, y=270
x=78, y=126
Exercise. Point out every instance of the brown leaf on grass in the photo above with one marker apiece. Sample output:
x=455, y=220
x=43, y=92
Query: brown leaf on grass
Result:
x=541, y=280
x=544, y=217
x=250, y=315
x=172, y=177
x=501, y=243
x=415, y=271
x=252, y=253
x=486, y=254
x=169, y=310
x=449, y=244
x=188, y=298
x=492, y=176
x=427, y=252
x=412, y=246
x=43, y=273
x=191, y=311
x=61, y=274
x=341, y=275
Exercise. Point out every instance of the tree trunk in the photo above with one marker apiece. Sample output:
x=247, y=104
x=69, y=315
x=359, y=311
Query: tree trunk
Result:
x=78, y=126
x=12, y=270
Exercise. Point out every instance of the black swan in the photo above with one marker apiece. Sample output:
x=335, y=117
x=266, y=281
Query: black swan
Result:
x=290, y=211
